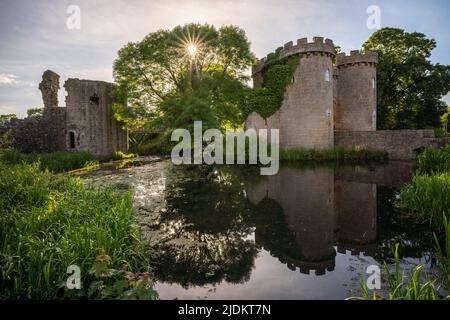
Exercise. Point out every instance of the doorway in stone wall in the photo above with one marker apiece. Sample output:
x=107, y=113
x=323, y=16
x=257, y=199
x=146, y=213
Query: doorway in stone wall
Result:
x=72, y=139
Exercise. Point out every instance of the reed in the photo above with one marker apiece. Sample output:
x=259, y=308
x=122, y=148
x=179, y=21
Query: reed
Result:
x=428, y=197
x=433, y=161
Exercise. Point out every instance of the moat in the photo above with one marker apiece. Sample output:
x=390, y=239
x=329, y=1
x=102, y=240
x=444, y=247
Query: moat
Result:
x=309, y=232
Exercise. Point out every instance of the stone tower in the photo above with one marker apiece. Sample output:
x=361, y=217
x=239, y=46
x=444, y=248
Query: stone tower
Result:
x=305, y=118
x=90, y=122
x=356, y=92
x=49, y=87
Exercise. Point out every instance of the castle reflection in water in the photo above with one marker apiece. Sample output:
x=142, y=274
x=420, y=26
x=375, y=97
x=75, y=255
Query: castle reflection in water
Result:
x=325, y=208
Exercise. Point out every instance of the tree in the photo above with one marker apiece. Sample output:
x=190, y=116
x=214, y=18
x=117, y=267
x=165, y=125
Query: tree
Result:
x=6, y=118
x=33, y=112
x=409, y=86
x=172, y=77
x=445, y=120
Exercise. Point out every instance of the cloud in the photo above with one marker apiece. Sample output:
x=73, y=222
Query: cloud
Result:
x=8, y=79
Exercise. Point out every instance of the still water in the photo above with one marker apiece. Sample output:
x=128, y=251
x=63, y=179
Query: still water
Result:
x=309, y=232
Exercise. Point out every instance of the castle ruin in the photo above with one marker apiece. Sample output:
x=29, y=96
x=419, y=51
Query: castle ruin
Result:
x=331, y=102
x=85, y=124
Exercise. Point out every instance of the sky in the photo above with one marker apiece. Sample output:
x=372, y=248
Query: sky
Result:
x=34, y=35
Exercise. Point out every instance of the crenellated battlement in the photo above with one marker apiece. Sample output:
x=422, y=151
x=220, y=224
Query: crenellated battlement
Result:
x=357, y=57
x=318, y=45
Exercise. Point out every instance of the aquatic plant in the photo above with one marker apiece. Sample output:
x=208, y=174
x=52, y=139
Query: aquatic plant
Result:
x=433, y=161
x=443, y=253
x=428, y=197
x=414, y=286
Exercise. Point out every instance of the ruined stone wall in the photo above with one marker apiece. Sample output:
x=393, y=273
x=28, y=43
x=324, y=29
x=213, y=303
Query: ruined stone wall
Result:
x=41, y=134
x=356, y=92
x=400, y=144
x=90, y=118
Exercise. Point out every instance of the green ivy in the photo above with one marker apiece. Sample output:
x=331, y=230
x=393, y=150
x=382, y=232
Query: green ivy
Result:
x=277, y=74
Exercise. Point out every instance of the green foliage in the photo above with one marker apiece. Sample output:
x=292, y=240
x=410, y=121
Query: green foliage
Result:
x=277, y=74
x=48, y=224
x=160, y=145
x=56, y=162
x=433, y=160
x=111, y=283
x=443, y=253
x=409, y=86
x=158, y=71
x=428, y=197
x=6, y=118
x=445, y=121
x=337, y=154
x=33, y=112
x=6, y=140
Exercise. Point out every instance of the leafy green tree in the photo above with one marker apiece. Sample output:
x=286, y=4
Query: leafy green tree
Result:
x=6, y=118
x=33, y=112
x=410, y=87
x=445, y=120
x=172, y=77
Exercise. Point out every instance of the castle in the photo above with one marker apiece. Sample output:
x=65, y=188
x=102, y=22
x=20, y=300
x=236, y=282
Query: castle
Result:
x=331, y=101
x=85, y=124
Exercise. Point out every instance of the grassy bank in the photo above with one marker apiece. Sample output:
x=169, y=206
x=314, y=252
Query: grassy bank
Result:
x=61, y=161
x=428, y=195
x=427, y=198
x=432, y=161
x=54, y=162
x=48, y=224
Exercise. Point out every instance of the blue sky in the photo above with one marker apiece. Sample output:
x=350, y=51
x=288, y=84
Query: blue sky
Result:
x=34, y=36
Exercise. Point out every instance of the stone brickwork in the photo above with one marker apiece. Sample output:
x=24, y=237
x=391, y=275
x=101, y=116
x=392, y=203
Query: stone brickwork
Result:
x=331, y=101
x=49, y=87
x=305, y=118
x=90, y=118
x=356, y=92
x=40, y=134
x=400, y=144
x=85, y=124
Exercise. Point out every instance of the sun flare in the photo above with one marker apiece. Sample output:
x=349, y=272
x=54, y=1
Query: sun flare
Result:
x=192, y=49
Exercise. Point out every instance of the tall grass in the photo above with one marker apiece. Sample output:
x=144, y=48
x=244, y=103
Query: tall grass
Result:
x=432, y=161
x=47, y=224
x=428, y=197
x=56, y=162
x=443, y=253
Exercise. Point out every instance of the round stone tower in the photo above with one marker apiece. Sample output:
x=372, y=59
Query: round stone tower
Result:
x=356, y=91
x=305, y=118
